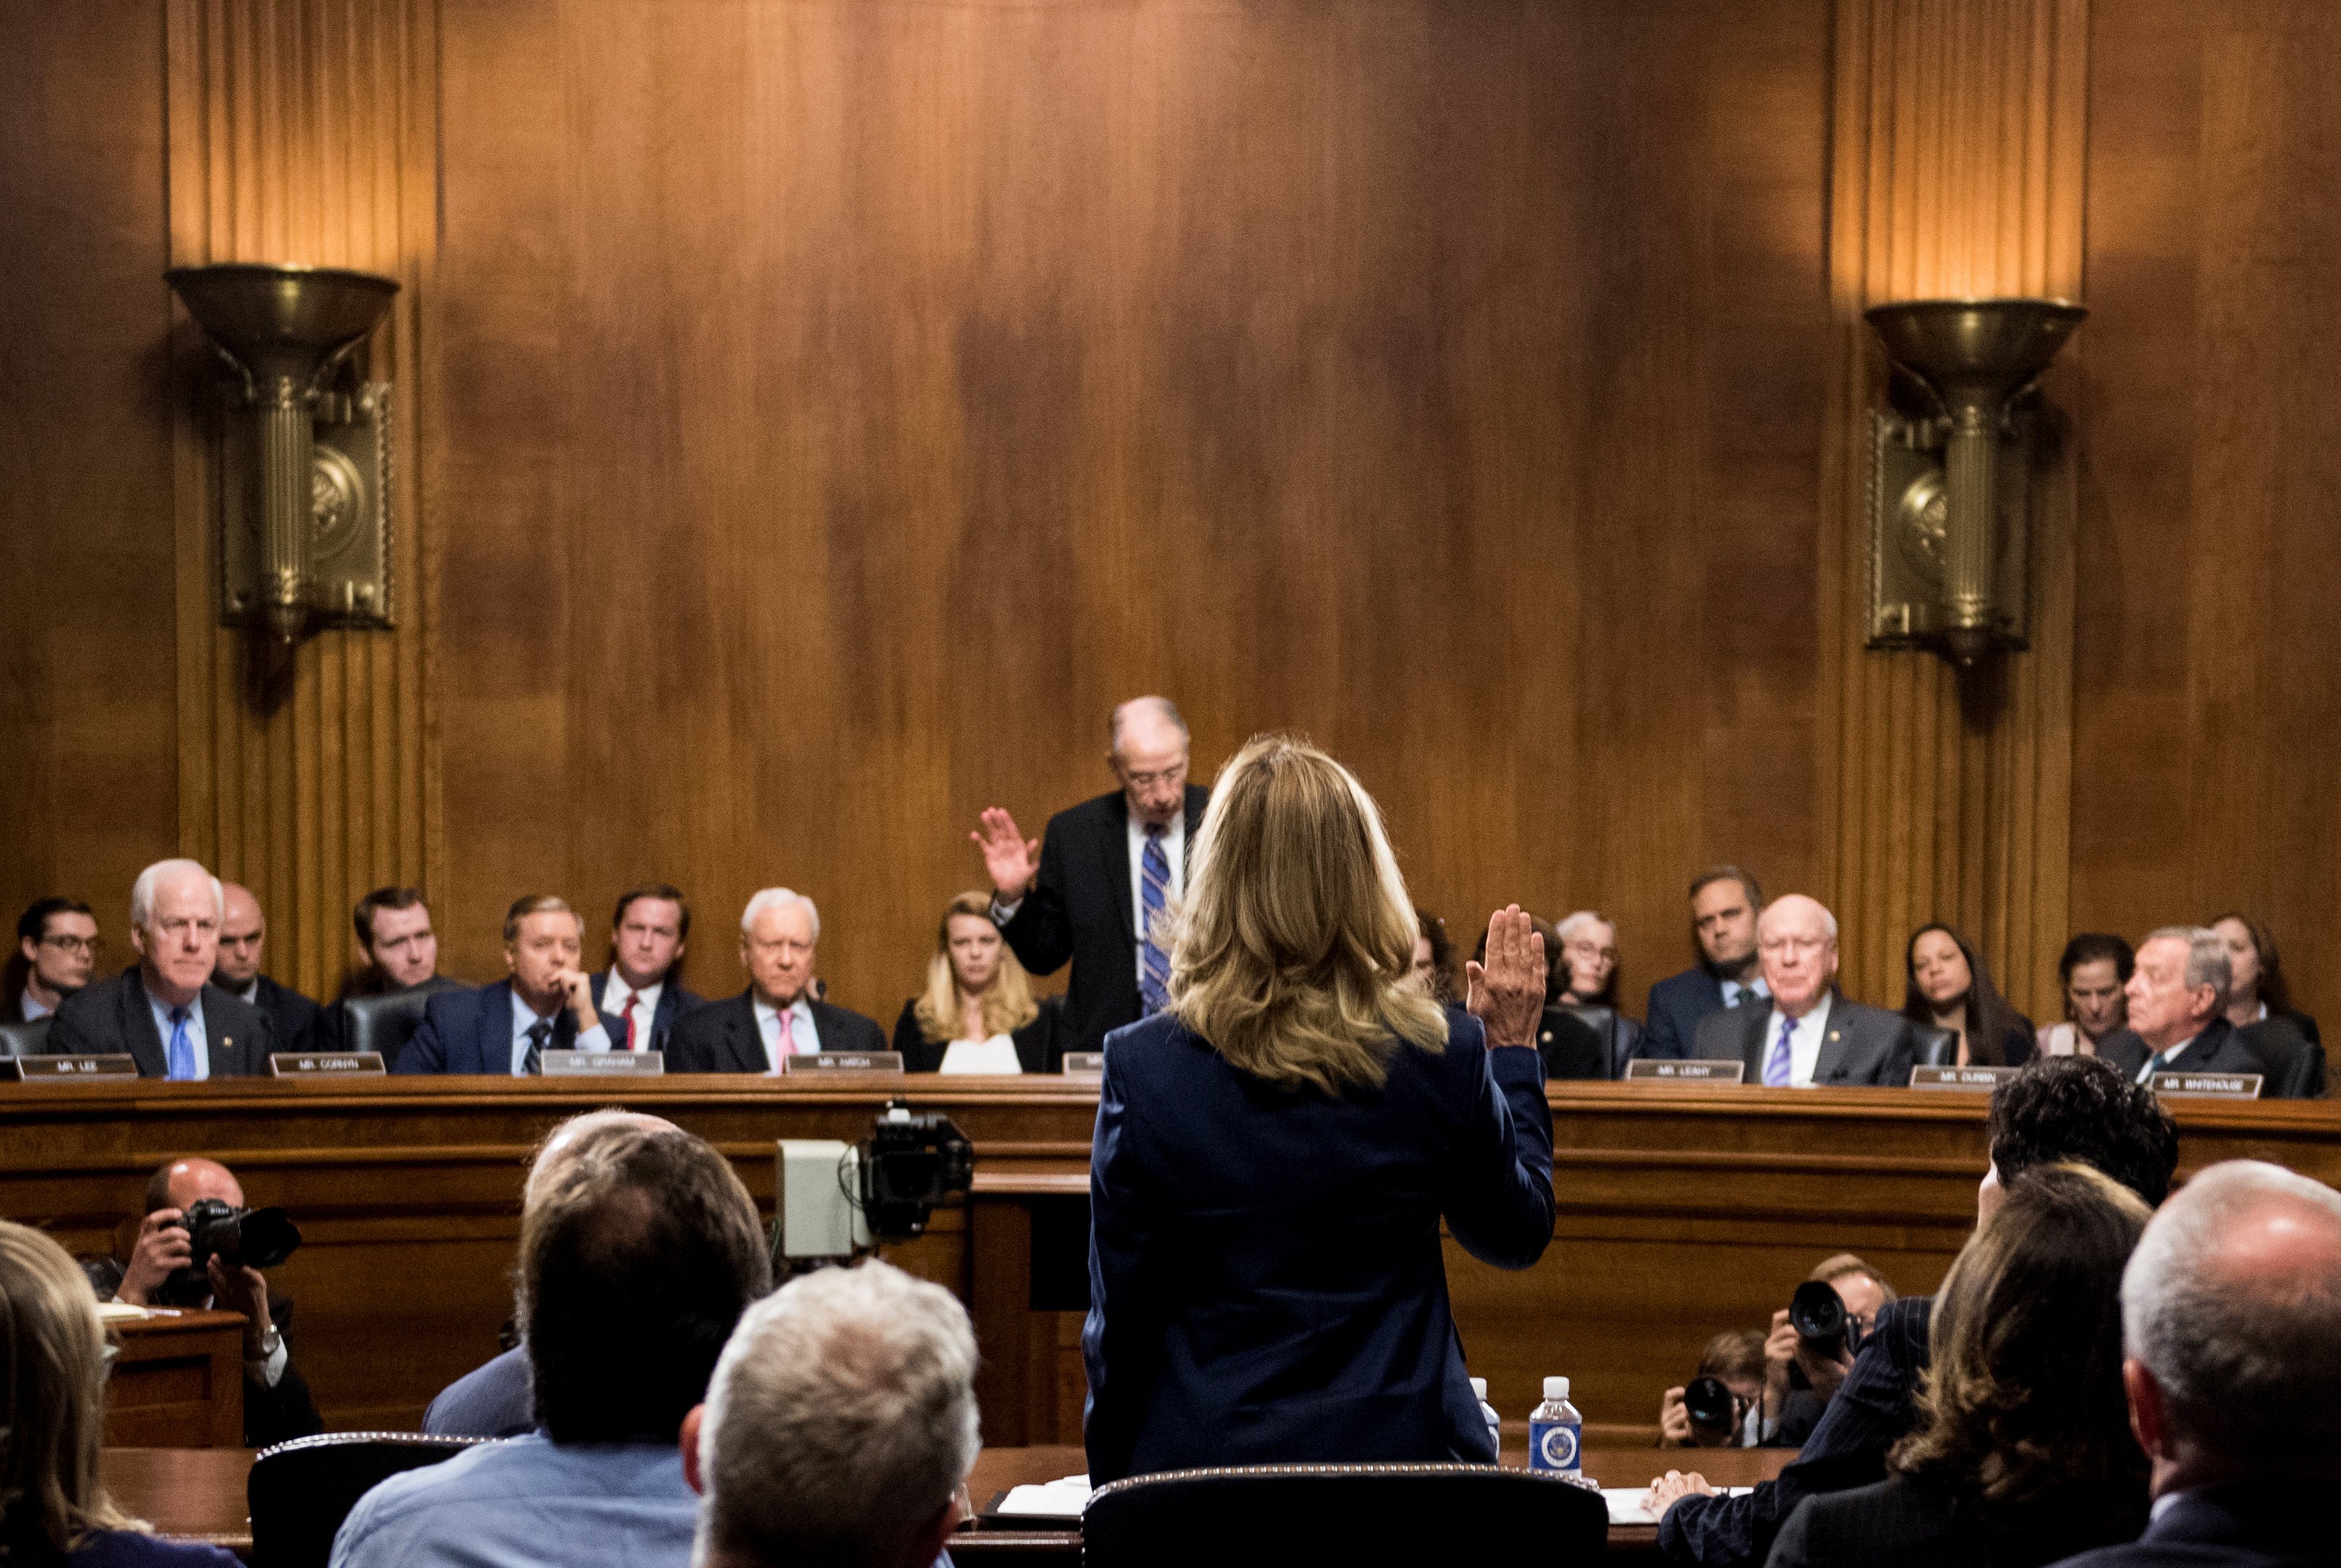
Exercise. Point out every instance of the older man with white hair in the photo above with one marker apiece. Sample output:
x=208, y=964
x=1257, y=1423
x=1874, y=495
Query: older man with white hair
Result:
x=163, y=1011
x=2177, y=995
x=1809, y=1036
x=838, y=1426
x=2231, y=1320
x=778, y=1016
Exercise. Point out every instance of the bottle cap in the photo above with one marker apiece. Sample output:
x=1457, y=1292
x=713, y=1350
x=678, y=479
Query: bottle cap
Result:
x=1479, y=1389
x=1556, y=1388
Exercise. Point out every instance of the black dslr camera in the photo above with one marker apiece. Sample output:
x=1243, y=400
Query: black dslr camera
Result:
x=239, y=1238
x=910, y=1163
x=1818, y=1314
x=1714, y=1411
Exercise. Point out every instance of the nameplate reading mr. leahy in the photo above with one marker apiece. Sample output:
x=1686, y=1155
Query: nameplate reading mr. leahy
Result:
x=1664, y=1070
x=65, y=1069
x=2209, y=1085
x=324, y=1063
x=604, y=1063
x=1978, y=1079
x=846, y=1062
x=1083, y=1065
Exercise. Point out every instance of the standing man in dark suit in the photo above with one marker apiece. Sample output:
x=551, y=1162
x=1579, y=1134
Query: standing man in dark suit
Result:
x=165, y=1012
x=1110, y=867
x=2178, y=1010
x=1724, y=904
x=647, y=935
x=243, y=933
x=545, y=1004
x=1809, y=1036
x=2231, y=1320
x=776, y=1017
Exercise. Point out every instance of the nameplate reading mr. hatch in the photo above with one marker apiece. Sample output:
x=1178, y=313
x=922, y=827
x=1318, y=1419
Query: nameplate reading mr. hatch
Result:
x=65, y=1069
x=846, y=1062
x=604, y=1064
x=1666, y=1069
x=2209, y=1085
x=1083, y=1065
x=325, y=1065
x=1978, y=1079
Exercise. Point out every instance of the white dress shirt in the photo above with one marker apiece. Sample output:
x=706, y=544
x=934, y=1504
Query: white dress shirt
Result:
x=803, y=1039
x=196, y=1035
x=1804, y=1045
x=2165, y=1060
x=595, y=1039
x=616, y=994
x=1174, y=851
x=997, y=1054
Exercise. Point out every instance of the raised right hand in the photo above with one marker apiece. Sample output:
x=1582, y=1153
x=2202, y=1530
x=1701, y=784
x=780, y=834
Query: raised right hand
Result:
x=1674, y=1420
x=161, y=1249
x=1507, y=992
x=1012, y=859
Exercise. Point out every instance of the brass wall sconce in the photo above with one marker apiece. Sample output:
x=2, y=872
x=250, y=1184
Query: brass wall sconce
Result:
x=305, y=464
x=1950, y=480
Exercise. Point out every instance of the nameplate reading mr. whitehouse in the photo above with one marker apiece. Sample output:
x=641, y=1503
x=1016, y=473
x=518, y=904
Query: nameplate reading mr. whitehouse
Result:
x=604, y=1063
x=2209, y=1085
x=65, y=1069
x=325, y=1065
x=1666, y=1069
x=1977, y=1080
x=846, y=1062
x=1083, y=1065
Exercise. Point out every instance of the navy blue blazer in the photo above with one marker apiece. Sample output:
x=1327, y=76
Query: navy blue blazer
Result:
x=465, y=1031
x=674, y=1003
x=1266, y=1283
x=2273, y=1524
x=1677, y=1004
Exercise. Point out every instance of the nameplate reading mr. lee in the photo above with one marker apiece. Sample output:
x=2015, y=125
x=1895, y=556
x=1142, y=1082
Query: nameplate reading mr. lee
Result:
x=67, y=1069
x=1664, y=1070
x=324, y=1063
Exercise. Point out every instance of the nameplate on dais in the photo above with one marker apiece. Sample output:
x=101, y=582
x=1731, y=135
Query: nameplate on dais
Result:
x=846, y=1062
x=1083, y=1065
x=1668, y=1070
x=2209, y=1085
x=325, y=1065
x=604, y=1063
x=65, y=1069
x=1977, y=1080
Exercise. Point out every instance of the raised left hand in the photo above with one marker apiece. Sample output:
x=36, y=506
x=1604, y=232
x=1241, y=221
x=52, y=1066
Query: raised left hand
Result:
x=242, y=1290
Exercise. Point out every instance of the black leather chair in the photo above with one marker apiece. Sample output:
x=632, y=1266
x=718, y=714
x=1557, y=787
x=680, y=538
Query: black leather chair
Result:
x=1933, y=1046
x=17, y=1039
x=383, y=1024
x=1356, y=1515
x=300, y=1491
x=2292, y=1063
x=1610, y=1029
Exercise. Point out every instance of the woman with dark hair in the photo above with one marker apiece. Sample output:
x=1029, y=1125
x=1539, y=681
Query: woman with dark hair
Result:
x=2258, y=991
x=2091, y=974
x=2022, y=1454
x=1434, y=957
x=1949, y=988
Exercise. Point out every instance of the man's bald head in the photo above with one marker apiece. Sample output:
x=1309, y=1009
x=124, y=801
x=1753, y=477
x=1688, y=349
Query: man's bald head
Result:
x=570, y=1138
x=1796, y=943
x=183, y=1182
x=243, y=931
x=1150, y=757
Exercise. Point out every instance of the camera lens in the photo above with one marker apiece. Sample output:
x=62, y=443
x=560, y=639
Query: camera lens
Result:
x=1817, y=1314
x=1709, y=1403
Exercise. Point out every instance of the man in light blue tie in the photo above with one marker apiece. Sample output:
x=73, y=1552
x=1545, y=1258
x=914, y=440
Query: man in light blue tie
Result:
x=164, y=1012
x=1810, y=1036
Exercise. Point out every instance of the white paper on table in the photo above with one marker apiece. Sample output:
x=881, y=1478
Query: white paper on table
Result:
x=1628, y=1505
x=121, y=1311
x=1061, y=1499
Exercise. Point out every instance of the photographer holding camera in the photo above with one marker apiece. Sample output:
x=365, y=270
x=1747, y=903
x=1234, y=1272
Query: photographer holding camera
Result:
x=198, y=1204
x=1779, y=1401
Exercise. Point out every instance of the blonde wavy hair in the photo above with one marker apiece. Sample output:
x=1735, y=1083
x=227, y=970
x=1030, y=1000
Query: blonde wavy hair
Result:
x=1008, y=1007
x=1292, y=949
x=51, y=1393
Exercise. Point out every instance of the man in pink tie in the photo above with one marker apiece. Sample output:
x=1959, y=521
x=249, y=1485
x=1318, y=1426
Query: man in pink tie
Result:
x=778, y=1016
x=1809, y=1036
x=643, y=987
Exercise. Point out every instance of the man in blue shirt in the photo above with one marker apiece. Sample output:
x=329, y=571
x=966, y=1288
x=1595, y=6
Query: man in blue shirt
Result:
x=639, y=1252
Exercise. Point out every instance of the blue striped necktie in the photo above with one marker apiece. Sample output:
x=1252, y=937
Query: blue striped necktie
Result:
x=179, y=1056
x=1154, y=879
x=1777, y=1065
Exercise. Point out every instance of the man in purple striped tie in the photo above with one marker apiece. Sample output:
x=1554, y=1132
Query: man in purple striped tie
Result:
x=1809, y=1036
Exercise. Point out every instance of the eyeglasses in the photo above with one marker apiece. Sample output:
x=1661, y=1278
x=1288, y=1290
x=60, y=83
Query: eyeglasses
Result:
x=1802, y=946
x=1147, y=781
x=92, y=945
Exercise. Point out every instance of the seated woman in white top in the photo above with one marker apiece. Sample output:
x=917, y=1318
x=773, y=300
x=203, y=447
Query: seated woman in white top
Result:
x=977, y=1013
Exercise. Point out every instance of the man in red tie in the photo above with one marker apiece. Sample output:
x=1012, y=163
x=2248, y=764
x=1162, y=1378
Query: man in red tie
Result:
x=643, y=986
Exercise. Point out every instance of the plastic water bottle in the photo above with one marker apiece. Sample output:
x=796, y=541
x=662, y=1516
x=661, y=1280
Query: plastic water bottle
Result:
x=1488, y=1414
x=1555, y=1431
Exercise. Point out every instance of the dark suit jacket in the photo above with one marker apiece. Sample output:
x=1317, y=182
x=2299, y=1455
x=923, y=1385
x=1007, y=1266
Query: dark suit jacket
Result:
x=1869, y=1414
x=292, y=1018
x=1900, y=1522
x=1864, y=1045
x=114, y=1016
x=495, y=1399
x=674, y=1003
x=1035, y=1050
x=333, y=1024
x=468, y=1031
x=723, y=1036
x=1571, y=1046
x=1078, y=908
x=1266, y=1280
x=2219, y=1049
x=1677, y=1005
x=2269, y=1524
x=2294, y=1063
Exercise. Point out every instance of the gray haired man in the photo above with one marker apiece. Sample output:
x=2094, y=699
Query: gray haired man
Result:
x=2178, y=1009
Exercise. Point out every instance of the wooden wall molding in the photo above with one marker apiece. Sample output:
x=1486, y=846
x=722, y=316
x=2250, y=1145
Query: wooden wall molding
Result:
x=305, y=132
x=1957, y=164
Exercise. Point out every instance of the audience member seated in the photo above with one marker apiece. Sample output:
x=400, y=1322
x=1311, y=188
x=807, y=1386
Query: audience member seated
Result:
x=2177, y=1010
x=977, y=1013
x=2093, y=969
x=2257, y=991
x=244, y=933
x=277, y=1407
x=164, y=1011
x=2060, y=1108
x=2022, y=1454
x=1247, y=1305
x=493, y=1399
x=1735, y=1359
x=399, y=952
x=777, y=1016
x=643, y=988
x=1434, y=957
x=839, y=1427
x=2231, y=1313
x=1949, y=987
x=1724, y=904
x=638, y=1253
x=57, y=950
x=1808, y=1035
x=1588, y=956
x=545, y=1004
x=53, y=1422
